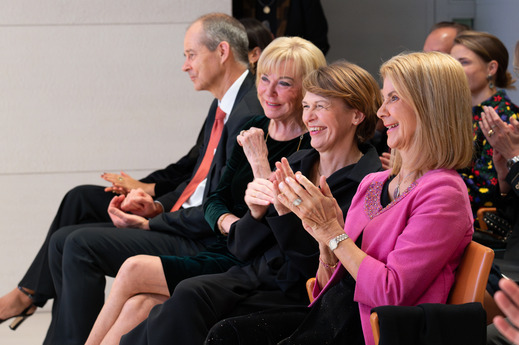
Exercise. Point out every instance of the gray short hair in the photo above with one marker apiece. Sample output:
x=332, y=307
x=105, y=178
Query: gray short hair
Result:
x=219, y=27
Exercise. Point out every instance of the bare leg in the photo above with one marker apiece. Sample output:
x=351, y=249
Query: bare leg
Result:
x=141, y=274
x=14, y=303
x=135, y=310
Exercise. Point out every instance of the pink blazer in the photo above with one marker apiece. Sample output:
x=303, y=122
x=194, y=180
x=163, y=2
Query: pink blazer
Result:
x=414, y=244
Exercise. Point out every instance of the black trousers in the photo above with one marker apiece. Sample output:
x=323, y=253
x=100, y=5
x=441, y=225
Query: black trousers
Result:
x=80, y=256
x=263, y=328
x=82, y=204
x=200, y=302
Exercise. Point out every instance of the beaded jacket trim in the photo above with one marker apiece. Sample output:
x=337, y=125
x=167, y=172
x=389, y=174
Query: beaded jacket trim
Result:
x=372, y=204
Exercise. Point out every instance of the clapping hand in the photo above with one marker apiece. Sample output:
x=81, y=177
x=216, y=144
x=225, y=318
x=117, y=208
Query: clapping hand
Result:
x=315, y=206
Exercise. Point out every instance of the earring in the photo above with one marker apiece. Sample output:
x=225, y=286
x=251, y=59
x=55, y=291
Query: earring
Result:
x=490, y=82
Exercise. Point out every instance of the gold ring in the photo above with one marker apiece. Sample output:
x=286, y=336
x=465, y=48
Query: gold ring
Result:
x=241, y=133
x=490, y=132
x=120, y=178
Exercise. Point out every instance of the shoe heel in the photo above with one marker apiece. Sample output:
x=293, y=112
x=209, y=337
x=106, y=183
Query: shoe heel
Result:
x=17, y=322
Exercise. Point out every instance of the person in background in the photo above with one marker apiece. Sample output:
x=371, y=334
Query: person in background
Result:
x=485, y=61
x=259, y=37
x=215, y=47
x=504, y=139
x=302, y=18
x=441, y=36
x=385, y=253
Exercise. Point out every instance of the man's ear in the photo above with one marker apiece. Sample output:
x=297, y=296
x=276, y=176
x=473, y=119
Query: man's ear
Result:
x=224, y=51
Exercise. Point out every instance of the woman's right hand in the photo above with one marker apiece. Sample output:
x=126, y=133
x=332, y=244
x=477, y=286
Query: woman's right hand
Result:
x=502, y=136
x=123, y=183
x=385, y=159
x=255, y=148
x=259, y=195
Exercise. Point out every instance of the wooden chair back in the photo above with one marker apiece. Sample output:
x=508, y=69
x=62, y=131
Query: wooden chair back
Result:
x=469, y=284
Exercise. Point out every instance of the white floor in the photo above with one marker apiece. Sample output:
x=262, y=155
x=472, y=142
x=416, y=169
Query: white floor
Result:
x=31, y=331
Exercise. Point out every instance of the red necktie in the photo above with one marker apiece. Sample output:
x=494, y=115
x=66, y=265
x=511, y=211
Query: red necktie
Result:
x=203, y=169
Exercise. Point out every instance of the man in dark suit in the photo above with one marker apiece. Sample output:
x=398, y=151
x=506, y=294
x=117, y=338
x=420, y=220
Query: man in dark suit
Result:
x=215, y=47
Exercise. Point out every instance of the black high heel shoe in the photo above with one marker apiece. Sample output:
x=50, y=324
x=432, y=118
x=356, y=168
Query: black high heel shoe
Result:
x=18, y=319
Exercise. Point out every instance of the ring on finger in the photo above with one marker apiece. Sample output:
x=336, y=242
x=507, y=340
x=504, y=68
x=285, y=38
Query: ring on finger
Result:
x=490, y=132
x=120, y=178
x=297, y=202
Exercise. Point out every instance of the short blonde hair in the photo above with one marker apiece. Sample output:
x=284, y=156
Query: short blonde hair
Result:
x=305, y=56
x=353, y=85
x=435, y=86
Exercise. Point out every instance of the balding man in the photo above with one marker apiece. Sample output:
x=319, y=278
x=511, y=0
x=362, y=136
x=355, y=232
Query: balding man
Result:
x=441, y=37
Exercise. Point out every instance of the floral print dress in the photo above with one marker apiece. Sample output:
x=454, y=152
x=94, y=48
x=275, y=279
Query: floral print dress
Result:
x=481, y=177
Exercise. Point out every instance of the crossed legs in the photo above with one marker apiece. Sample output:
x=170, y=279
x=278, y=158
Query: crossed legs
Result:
x=139, y=285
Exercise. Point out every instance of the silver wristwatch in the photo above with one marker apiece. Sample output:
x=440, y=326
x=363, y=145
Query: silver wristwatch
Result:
x=334, y=242
x=512, y=161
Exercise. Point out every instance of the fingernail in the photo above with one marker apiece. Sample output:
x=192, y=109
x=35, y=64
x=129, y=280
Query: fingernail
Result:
x=281, y=185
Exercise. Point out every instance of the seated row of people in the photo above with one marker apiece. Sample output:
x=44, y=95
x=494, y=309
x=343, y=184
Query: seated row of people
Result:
x=236, y=255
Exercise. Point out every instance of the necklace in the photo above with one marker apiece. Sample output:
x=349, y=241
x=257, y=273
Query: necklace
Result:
x=266, y=7
x=396, y=193
x=298, y=145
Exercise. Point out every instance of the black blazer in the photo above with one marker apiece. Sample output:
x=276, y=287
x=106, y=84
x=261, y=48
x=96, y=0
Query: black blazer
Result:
x=173, y=175
x=279, y=250
x=192, y=219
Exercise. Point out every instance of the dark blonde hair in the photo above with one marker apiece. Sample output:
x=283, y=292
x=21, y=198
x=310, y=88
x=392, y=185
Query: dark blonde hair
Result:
x=352, y=84
x=488, y=47
x=305, y=56
x=436, y=87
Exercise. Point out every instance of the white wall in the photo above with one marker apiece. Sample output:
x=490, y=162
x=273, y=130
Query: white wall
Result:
x=500, y=18
x=369, y=32
x=87, y=87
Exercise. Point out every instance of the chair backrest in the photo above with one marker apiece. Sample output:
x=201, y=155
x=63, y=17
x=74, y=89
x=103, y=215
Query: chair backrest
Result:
x=310, y=283
x=472, y=275
x=469, y=284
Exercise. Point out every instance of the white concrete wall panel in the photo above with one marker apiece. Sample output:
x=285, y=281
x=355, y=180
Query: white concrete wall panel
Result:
x=87, y=87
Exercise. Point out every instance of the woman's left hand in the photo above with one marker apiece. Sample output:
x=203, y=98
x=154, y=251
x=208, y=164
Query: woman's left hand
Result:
x=315, y=206
x=255, y=149
x=502, y=136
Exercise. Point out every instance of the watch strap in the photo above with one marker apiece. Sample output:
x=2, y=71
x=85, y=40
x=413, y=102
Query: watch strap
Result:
x=512, y=161
x=334, y=242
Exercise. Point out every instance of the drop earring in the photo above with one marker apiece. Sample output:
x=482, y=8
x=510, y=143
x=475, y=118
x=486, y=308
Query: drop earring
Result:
x=490, y=82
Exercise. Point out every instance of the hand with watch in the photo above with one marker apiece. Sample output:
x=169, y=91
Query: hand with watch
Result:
x=502, y=136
